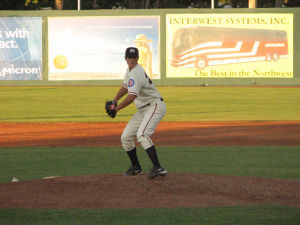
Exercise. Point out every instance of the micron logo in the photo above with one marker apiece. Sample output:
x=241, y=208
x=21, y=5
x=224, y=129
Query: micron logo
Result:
x=10, y=69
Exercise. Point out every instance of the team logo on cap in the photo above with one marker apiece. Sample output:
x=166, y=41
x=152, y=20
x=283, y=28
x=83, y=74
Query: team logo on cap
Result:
x=130, y=83
x=132, y=52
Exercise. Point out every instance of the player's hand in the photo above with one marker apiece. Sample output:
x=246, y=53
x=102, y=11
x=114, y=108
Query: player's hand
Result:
x=111, y=108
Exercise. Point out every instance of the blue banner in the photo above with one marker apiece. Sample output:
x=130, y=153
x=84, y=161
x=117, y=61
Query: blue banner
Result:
x=20, y=48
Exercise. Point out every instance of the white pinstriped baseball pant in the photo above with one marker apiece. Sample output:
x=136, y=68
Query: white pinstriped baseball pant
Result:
x=142, y=125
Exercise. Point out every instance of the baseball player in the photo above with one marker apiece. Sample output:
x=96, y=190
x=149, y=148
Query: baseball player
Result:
x=151, y=109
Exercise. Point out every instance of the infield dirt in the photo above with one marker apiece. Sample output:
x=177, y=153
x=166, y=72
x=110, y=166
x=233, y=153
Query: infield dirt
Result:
x=167, y=133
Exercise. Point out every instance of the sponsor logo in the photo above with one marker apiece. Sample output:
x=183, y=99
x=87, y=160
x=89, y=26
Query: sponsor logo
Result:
x=130, y=83
x=10, y=69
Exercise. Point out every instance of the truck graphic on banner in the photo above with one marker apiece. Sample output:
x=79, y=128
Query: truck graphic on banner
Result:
x=201, y=47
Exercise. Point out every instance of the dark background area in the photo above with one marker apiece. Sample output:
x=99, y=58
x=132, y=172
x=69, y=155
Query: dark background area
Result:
x=136, y=4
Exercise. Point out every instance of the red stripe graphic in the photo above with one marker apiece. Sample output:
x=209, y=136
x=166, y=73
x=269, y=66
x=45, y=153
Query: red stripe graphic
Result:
x=132, y=93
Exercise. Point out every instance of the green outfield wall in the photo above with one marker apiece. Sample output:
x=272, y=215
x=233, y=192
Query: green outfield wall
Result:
x=218, y=75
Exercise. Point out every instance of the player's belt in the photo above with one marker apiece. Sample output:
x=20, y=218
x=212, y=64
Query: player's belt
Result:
x=161, y=99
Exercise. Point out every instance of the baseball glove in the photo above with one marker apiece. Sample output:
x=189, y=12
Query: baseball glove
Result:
x=110, y=108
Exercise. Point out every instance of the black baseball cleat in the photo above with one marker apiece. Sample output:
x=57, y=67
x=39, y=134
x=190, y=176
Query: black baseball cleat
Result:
x=157, y=171
x=133, y=170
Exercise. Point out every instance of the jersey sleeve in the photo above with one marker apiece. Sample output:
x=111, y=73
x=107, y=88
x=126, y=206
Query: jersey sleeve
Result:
x=134, y=85
x=125, y=80
x=124, y=84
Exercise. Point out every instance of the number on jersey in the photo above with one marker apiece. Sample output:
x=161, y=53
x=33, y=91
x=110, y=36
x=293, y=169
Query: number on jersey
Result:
x=150, y=81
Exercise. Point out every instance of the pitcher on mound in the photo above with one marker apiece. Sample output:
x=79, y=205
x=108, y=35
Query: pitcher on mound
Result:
x=150, y=110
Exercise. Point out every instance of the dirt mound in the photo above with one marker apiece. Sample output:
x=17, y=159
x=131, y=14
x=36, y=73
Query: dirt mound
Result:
x=174, y=190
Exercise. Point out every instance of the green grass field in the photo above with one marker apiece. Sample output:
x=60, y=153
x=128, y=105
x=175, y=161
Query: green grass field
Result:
x=240, y=215
x=258, y=161
x=86, y=104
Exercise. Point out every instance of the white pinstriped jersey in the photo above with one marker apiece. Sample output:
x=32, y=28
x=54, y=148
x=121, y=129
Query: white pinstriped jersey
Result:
x=139, y=84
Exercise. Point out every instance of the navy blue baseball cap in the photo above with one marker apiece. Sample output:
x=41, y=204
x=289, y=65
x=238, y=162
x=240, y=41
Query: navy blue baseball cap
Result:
x=132, y=52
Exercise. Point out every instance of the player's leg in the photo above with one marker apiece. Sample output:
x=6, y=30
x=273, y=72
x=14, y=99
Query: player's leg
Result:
x=152, y=116
x=128, y=144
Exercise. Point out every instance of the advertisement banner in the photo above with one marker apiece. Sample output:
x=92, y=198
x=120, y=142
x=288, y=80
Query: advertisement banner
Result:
x=20, y=48
x=93, y=48
x=229, y=45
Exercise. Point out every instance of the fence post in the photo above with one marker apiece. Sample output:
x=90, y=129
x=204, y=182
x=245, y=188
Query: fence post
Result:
x=252, y=3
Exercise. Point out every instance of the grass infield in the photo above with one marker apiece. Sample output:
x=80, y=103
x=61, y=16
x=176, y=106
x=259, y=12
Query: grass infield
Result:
x=257, y=161
x=240, y=215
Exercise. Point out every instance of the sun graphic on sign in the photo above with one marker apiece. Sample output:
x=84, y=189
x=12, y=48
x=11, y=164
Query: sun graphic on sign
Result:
x=60, y=62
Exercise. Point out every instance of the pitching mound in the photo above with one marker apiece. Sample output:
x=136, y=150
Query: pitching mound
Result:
x=174, y=190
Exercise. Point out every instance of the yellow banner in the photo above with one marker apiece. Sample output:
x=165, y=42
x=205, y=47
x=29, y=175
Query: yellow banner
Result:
x=229, y=45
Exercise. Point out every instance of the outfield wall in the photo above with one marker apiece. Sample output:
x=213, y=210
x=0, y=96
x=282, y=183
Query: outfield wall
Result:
x=243, y=62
